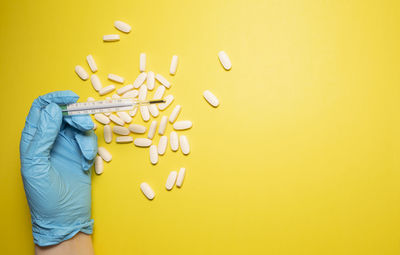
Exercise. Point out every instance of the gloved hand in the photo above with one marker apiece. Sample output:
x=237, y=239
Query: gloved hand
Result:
x=56, y=154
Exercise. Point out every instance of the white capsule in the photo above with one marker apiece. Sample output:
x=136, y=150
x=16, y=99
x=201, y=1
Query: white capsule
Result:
x=142, y=64
x=175, y=113
x=162, y=144
x=211, y=98
x=122, y=26
x=152, y=129
x=124, y=89
x=142, y=93
x=142, y=142
x=144, y=111
x=224, y=59
x=163, y=125
x=124, y=139
x=133, y=112
x=107, y=133
x=163, y=81
x=139, y=80
x=110, y=38
x=103, y=119
x=147, y=191
x=153, y=154
x=159, y=93
x=153, y=110
x=137, y=129
x=182, y=125
x=120, y=130
x=174, y=141
x=115, y=96
x=114, y=118
x=171, y=180
x=96, y=83
x=81, y=73
x=131, y=94
x=90, y=99
x=174, y=65
x=185, y=148
x=168, y=100
x=91, y=63
x=181, y=176
x=98, y=165
x=104, y=154
x=150, y=80
x=106, y=90
x=116, y=78
x=125, y=117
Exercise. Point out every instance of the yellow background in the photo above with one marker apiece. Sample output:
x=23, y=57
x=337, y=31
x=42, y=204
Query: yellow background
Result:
x=301, y=157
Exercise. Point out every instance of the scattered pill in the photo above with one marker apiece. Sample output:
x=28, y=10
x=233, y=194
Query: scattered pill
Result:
x=175, y=113
x=125, y=117
x=131, y=94
x=163, y=125
x=153, y=110
x=107, y=133
x=124, y=139
x=114, y=118
x=139, y=80
x=110, y=38
x=159, y=93
x=174, y=65
x=116, y=78
x=144, y=111
x=150, y=80
x=211, y=98
x=168, y=100
x=185, y=148
x=171, y=180
x=115, y=96
x=90, y=99
x=81, y=73
x=91, y=63
x=104, y=154
x=106, y=90
x=173, y=141
x=120, y=130
x=152, y=129
x=133, y=112
x=142, y=93
x=147, y=191
x=142, y=64
x=103, y=119
x=142, y=142
x=162, y=144
x=122, y=26
x=163, y=81
x=124, y=89
x=153, y=154
x=137, y=129
x=98, y=165
x=94, y=79
x=182, y=125
x=224, y=59
x=181, y=176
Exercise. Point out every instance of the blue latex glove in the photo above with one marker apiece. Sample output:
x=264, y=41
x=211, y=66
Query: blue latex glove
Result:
x=56, y=154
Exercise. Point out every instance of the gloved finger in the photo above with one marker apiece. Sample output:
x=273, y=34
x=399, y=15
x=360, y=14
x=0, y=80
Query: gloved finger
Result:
x=80, y=122
x=87, y=142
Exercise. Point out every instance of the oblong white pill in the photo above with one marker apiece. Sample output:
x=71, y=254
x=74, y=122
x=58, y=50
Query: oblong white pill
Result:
x=114, y=118
x=147, y=191
x=175, y=114
x=142, y=142
x=144, y=111
x=142, y=93
x=153, y=110
x=181, y=177
x=137, y=129
x=107, y=133
x=90, y=99
x=163, y=81
x=110, y=38
x=125, y=117
x=224, y=59
x=174, y=64
x=98, y=165
x=162, y=144
x=104, y=154
x=152, y=129
x=116, y=78
x=124, y=89
x=159, y=93
x=115, y=96
x=183, y=141
x=103, y=119
x=91, y=63
x=106, y=90
x=163, y=125
x=124, y=139
x=174, y=141
x=168, y=100
x=142, y=64
x=96, y=83
x=139, y=80
x=171, y=180
x=81, y=72
x=211, y=98
x=121, y=130
x=182, y=125
x=153, y=154
x=122, y=26
x=150, y=80
x=133, y=112
x=131, y=94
